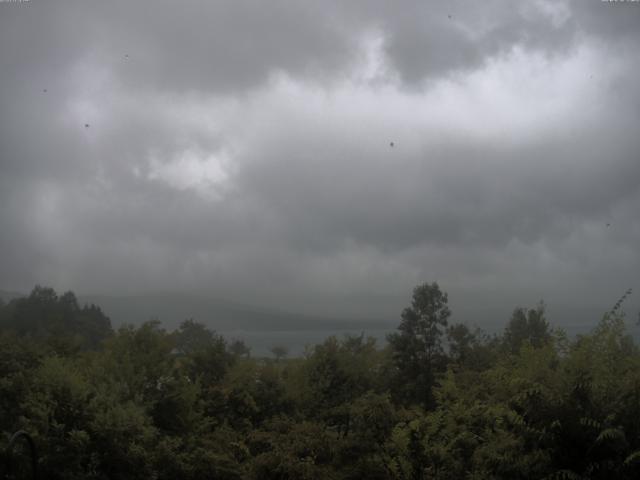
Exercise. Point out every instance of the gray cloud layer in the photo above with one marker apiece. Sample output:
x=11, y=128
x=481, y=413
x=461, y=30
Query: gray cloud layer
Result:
x=243, y=150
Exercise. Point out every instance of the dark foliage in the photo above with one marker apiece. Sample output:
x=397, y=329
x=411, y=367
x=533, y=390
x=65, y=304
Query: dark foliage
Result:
x=439, y=401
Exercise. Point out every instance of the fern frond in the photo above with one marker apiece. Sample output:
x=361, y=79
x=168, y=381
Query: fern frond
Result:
x=610, y=434
x=634, y=457
x=564, y=475
x=590, y=422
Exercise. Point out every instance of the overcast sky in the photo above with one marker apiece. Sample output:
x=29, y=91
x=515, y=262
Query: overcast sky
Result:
x=242, y=150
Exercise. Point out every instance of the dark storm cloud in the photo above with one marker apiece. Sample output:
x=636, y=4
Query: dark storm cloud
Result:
x=183, y=46
x=244, y=150
x=438, y=37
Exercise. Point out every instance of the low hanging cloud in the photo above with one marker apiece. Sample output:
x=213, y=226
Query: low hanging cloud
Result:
x=324, y=158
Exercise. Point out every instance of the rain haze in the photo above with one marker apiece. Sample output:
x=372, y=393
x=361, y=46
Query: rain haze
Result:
x=323, y=158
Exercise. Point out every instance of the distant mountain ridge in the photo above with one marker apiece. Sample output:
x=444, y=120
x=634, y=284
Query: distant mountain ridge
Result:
x=171, y=309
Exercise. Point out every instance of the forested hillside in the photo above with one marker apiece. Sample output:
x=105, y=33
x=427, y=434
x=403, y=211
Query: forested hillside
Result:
x=438, y=401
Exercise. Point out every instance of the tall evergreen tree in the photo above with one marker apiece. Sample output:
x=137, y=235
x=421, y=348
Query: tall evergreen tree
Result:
x=417, y=346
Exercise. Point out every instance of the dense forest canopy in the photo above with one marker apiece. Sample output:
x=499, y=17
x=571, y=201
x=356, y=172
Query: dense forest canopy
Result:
x=439, y=400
